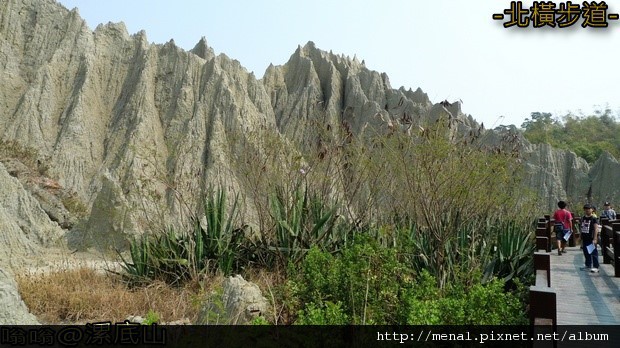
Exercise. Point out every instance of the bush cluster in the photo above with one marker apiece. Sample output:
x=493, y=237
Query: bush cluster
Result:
x=587, y=136
x=381, y=229
x=370, y=284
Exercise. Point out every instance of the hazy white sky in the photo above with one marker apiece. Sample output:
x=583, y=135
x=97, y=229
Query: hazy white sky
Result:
x=452, y=49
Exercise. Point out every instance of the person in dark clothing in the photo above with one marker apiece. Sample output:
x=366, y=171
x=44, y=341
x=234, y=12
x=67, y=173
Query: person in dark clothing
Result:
x=589, y=238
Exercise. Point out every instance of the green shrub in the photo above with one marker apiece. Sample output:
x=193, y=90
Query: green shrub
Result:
x=369, y=284
x=213, y=309
x=497, y=248
x=151, y=318
x=488, y=304
x=420, y=306
x=366, y=279
x=163, y=257
x=328, y=313
x=479, y=304
x=260, y=321
x=217, y=241
x=586, y=135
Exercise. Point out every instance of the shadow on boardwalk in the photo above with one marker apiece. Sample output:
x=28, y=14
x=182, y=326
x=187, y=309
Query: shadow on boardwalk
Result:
x=584, y=298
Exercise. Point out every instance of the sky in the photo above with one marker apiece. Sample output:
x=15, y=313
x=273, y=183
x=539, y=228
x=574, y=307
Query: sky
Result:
x=451, y=49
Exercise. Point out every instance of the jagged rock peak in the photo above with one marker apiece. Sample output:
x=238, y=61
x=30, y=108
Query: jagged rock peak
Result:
x=203, y=50
x=171, y=43
x=116, y=29
x=348, y=66
x=419, y=96
x=310, y=50
x=141, y=35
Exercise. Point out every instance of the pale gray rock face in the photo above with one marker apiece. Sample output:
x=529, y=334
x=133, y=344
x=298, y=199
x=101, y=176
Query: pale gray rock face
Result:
x=24, y=226
x=25, y=230
x=140, y=130
x=605, y=178
x=107, y=109
x=242, y=301
x=13, y=311
x=560, y=174
x=109, y=223
x=316, y=88
x=556, y=174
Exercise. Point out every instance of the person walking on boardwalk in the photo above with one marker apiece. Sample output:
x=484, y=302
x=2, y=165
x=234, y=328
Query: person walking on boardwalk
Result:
x=608, y=212
x=589, y=239
x=562, y=218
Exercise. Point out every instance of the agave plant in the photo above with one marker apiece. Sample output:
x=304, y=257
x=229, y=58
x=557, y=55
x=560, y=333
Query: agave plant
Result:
x=139, y=267
x=302, y=222
x=216, y=241
x=512, y=254
x=161, y=257
x=495, y=249
x=174, y=257
x=170, y=252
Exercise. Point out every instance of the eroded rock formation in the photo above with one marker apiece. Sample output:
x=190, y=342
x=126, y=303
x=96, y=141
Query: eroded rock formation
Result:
x=138, y=130
x=24, y=225
x=12, y=309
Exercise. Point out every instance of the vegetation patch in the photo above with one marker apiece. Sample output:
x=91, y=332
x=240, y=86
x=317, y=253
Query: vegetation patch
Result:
x=587, y=136
x=396, y=228
x=87, y=296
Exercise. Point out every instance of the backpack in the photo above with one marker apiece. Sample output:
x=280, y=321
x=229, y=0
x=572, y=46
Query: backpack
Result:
x=558, y=226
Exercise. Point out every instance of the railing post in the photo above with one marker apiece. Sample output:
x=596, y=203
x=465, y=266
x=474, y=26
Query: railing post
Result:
x=542, y=262
x=543, y=302
x=605, y=236
x=548, y=233
x=576, y=232
x=616, y=235
x=543, y=305
x=542, y=241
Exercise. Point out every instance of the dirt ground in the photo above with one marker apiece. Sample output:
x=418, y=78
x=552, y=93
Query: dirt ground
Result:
x=54, y=259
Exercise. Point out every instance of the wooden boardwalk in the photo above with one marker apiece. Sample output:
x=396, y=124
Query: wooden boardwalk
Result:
x=584, y=298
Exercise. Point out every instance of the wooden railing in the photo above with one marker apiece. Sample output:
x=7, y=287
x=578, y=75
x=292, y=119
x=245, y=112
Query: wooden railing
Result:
x=543, y=299
x=543, y=304
x=543, y=235
x=610, y=243
x=545, y=229
x=542, y=266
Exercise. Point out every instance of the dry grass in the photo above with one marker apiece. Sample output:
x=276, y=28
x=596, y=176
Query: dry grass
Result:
x=85, y=295
x=29, y=157
x=272, y=285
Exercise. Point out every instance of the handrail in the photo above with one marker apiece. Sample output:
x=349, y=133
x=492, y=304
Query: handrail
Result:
x=616, y=247
x=610, y=243
x=543, y=304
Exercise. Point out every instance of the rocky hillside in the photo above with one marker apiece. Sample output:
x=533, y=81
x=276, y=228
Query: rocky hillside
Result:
x=127, y=127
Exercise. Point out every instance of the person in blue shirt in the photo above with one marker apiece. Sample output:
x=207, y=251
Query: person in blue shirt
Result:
x=608, y=212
